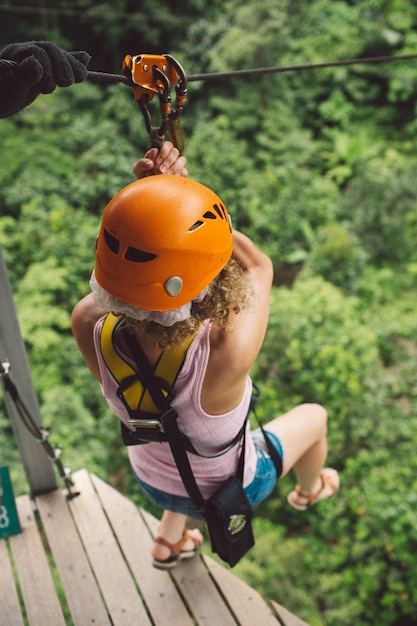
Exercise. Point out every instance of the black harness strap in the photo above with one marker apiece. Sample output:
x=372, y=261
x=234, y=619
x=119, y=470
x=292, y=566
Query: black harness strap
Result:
x=271, y=448
x=169, y=417
x=160, y=390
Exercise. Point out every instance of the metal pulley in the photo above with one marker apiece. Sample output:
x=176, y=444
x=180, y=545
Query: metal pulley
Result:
x=153, y=75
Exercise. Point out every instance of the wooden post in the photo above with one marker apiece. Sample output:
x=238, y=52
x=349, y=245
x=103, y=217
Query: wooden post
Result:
x=38, y=467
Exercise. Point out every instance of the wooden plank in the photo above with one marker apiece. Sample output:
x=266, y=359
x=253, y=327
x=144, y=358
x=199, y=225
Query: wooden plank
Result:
x=35, y=579
x=117, y=586
x=81, y=591
x=11, y=615
x=286, y=618
x=157, y=588
x=246, y=603
x=198, y=589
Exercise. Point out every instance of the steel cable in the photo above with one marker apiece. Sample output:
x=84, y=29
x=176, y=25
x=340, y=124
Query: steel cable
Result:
x=105, y=77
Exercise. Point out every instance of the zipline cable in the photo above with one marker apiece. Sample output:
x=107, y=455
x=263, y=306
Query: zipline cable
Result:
x=298, y=68
x=105, y=77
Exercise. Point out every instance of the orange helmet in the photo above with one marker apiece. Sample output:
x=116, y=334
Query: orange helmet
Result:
x=162, y=240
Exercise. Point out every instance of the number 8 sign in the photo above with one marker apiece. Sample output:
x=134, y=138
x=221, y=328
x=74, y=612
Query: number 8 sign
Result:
x=9, y=521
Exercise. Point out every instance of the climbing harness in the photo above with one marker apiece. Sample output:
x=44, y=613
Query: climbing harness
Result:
x=153, y=75
x=40, y=433
x=144, y=418
x=143, y=414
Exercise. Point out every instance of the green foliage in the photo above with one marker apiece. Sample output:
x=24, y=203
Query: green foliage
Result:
x=280, y=204
x=337, y=255
x=305, y=347
x=381, y=204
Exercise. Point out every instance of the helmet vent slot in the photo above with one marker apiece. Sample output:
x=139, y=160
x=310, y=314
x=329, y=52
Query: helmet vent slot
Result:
x=138, y=256
x=209, y=215
x=220, y=210
x=112, y=243
x=195, y=226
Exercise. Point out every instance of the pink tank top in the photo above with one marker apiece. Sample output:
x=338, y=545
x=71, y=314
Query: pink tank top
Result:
x=209, y=434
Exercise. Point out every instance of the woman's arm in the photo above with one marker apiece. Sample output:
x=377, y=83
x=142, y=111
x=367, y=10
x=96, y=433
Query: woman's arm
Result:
x=84, y=317
x=234, y=350
x=249, y=325
x=250, y=257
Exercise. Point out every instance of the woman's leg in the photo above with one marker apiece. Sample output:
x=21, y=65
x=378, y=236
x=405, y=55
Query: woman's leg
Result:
x=303, y=435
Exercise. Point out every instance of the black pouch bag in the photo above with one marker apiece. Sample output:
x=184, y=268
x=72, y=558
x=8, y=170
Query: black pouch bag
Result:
x=227, y=512
x=228, y=515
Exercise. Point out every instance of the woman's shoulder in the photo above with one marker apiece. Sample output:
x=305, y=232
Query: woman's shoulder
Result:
x=231, y=352
x=85, y=315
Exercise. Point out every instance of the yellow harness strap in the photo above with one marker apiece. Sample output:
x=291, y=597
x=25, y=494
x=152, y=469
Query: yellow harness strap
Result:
x=167, y=368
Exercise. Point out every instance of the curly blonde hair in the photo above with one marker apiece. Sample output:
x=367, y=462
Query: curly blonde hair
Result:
x=229, y=292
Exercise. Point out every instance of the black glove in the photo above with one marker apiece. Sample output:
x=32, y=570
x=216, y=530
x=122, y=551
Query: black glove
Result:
x=42, y=66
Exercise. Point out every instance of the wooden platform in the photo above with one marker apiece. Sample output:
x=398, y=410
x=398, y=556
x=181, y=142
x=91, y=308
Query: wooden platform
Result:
x=86, y=562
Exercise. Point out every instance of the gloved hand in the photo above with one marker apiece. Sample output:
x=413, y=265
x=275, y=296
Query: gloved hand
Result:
x=42, y=66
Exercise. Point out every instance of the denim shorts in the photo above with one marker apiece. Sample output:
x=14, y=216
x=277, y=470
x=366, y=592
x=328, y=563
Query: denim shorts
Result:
x=262, y=485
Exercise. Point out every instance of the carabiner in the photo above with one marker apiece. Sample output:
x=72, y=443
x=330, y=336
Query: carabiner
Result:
x=153, y=75
x=174, y=122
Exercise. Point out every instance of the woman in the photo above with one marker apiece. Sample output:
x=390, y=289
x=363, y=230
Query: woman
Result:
x=216, y=283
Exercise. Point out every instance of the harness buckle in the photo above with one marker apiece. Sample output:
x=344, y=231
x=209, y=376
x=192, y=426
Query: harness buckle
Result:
x=138, y=422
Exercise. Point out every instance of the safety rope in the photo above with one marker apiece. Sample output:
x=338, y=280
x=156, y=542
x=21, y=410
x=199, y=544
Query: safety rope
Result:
x=40, y=433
